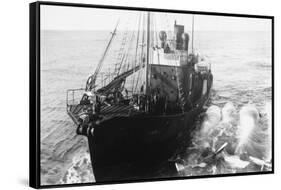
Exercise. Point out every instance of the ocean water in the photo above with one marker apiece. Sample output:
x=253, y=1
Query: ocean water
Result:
x=241, y=65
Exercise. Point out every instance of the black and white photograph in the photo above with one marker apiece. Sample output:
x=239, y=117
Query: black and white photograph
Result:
x=140, y=95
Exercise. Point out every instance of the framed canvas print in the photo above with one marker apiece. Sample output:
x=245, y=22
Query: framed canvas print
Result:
x=126, y=94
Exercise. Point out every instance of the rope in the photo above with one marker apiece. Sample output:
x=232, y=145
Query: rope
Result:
x=136, y=54
x=92, y=79
x=126, y=54
x=121, y=49
x=141, y=57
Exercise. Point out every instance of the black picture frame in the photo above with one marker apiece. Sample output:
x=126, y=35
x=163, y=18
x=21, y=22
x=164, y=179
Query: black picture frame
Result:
x=34, y=91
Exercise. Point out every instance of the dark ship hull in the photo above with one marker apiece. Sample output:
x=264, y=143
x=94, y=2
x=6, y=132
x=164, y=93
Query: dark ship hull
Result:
x=128, y=147
x=134, y=145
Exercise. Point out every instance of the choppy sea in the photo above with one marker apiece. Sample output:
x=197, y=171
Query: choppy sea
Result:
x=241, y=65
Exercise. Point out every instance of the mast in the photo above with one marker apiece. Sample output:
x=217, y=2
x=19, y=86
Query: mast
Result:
x=147, y=53
x=136, y=53
x=142, y=50
x=192, y=33
x=92, y=79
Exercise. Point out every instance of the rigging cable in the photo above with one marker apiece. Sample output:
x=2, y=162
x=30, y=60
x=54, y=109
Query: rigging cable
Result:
x=92, y=79
x=141, y=56
x=126, y=60
x=136, y=53
x=125, y=54
x=120, y=56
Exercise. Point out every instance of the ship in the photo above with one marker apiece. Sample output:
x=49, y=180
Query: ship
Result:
x=129, y=126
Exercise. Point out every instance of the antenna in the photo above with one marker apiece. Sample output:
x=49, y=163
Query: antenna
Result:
x=192, y=34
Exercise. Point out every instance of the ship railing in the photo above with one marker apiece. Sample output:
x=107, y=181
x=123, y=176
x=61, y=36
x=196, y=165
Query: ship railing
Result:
x=73, y=96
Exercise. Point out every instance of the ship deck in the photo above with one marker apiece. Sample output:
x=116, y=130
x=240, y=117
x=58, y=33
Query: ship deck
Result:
x=107, y=111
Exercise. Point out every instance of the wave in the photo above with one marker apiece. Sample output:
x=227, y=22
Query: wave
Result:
x=80, y=170
x=229, y=141
x=260, y=63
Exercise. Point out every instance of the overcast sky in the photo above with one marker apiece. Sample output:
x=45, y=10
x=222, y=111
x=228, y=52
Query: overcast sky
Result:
x=78, y=18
